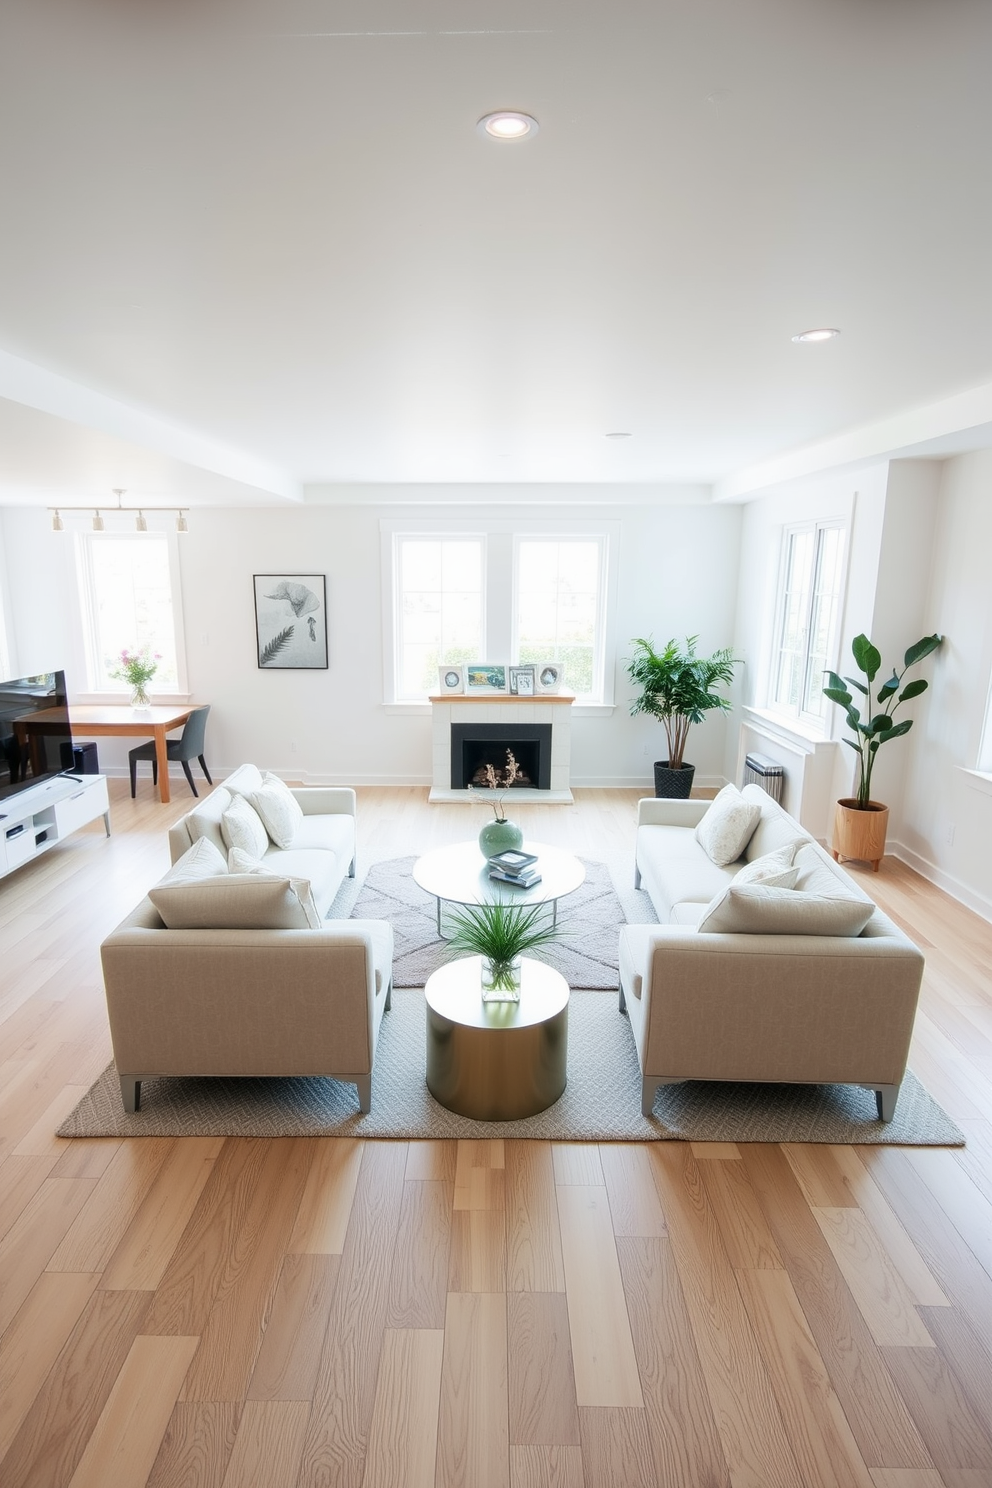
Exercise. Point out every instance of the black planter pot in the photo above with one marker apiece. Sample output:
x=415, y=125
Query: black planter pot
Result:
x=674, y=784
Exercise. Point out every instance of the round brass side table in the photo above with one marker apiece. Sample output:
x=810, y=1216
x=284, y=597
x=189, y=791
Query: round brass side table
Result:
x=496, y=1061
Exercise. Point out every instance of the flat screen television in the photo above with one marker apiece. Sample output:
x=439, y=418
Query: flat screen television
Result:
x=35, y=736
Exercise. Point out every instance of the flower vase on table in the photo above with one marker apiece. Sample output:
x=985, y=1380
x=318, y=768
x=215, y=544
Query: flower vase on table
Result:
x=137, y=668
x=501, y=834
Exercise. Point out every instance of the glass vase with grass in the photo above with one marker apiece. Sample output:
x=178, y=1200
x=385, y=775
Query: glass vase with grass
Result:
x=501, y=933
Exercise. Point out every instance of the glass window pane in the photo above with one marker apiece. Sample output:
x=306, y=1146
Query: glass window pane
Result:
x=438, y=607
x=131, y=591
x=559, y=608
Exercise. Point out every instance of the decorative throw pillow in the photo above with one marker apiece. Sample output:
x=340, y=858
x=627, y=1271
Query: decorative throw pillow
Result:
x=244, y=780
x=279, y=810
x=775, y=870
x=725, y=829
x=238, y=901
x=202, y=860
x=757, y=909
x=239, y=861
x=242, y=827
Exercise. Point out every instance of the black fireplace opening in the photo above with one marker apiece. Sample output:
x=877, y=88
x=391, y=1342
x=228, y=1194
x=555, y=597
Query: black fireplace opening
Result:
x=476, y=745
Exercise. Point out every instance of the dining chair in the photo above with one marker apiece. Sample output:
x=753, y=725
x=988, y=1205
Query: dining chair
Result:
x=188, y=746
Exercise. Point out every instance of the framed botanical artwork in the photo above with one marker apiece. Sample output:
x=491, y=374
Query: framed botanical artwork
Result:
x=485, y=676
x=451, y=678
x=549, y=676
x=522, y=681
x=291, y=621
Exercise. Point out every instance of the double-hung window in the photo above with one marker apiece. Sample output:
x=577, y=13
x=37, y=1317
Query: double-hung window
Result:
x=129, y=593
x=810, y=597
x=559, y=608
x=439, y=600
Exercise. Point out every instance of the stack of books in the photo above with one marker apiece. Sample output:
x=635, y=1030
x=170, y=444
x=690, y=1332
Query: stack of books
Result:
x=515, y=868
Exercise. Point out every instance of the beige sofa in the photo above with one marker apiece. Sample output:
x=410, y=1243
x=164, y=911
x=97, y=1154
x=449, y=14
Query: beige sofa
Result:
x=792, y=1008
x=238, y=973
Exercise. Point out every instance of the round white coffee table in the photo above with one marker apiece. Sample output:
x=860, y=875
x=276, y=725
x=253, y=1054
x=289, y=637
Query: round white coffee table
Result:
x=496, y=1061
x=460, y=875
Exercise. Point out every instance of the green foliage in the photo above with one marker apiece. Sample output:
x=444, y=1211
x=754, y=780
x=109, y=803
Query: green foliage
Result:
x=677, y=687
x=501, y=932
x=870, y=735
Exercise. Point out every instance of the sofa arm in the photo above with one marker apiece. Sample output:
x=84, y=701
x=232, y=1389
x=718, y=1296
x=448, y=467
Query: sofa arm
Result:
x=655, y=811
x=326, y=800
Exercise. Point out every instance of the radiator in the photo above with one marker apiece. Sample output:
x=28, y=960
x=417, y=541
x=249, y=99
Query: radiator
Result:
x=759, y=769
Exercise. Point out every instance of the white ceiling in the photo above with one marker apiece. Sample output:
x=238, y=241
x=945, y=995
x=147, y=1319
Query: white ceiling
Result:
x=257, y=250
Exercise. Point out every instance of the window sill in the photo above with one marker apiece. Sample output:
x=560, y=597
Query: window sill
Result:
x=158, y=696
x=579, y=710
x=793, y=730
x=979, y=780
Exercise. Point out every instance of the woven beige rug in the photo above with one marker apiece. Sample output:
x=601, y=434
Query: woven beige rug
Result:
x=601, y=1101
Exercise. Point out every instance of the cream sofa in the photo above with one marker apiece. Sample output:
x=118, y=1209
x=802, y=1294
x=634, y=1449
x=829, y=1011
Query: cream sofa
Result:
x=247, y=978
x=792, y=1008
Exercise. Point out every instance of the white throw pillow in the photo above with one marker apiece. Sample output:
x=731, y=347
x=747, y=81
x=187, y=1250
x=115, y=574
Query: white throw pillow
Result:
x=757, y=909
x=242, y=901
x=279, y=810
x=239, y=861
x=775, y=869
x=244, y=780
x=725, y=829
x=242, y=827
x=202, y=860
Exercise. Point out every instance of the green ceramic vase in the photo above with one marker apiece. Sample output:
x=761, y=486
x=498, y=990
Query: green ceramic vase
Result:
x=500, y=836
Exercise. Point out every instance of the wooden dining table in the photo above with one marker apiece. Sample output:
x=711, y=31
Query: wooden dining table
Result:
x=100, y=720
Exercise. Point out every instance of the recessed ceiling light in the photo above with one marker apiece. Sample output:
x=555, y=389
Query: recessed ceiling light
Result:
x=824, y=333
x=618, y=434
x=508, y=124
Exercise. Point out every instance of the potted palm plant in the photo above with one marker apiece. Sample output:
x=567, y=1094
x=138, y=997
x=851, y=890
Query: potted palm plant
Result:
x=678, y=688
x=501, y=933
x=860, y=824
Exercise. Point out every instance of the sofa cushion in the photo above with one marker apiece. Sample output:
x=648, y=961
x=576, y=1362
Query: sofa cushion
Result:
x=321, y=868
x=242, y=827
x=279, y=810
x=204, y=819
x=202, y=860
x=727, y=825
x=775, y=829
x=776, y=869
x=237, y=901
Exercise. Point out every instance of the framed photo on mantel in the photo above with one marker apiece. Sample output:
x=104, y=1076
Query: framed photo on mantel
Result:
x=291, y=621
x=485, y=676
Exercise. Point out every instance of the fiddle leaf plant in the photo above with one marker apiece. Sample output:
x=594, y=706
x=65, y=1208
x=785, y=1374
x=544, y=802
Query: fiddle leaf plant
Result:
x=876, y=729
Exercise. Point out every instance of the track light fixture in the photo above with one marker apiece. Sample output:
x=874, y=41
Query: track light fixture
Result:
x=140, y=520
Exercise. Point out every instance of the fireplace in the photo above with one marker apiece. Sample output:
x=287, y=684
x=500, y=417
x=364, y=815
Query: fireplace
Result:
x=476, y=745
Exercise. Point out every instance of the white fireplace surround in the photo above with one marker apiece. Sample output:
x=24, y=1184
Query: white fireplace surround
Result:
x=555, y=710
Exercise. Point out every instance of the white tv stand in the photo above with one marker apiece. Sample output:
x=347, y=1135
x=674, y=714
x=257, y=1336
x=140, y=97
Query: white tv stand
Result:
x=36, y=819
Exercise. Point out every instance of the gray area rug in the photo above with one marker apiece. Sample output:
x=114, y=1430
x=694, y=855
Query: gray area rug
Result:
x=590, y=920
x=601, y=1101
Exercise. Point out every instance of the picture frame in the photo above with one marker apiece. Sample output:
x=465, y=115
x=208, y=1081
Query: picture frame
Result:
x=522, y=681
x=549, y=676
x=451, y=678
x=290, y=622
x=485, y=676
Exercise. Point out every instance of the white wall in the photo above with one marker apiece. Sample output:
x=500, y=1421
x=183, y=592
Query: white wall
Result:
x=677, y=575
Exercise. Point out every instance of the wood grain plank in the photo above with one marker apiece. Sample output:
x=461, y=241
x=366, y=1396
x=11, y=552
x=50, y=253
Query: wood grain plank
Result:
x=231, y=1338
x=83, y=1158
x=477, y=1256
x=118, y=1196
x=54, y=1433
x=961, y=1200
x=541, y=1380
x=882, y=1425
x=965, y=1355
x=616, y=1449
x=546, y=1467
x=916, y=1275
x=149, y=1242
x=954, y=1435
x=533, y=1238
x=20, y=1180
x=754, y=1441
x=431, y=1161
x=818, y=1430
x=40, y=1138
x=344, y=1394
x=34, y=1236
x=577, y=1162
x=128, y=1433
x=634, y=1203
x=325, y=1209
x=286, y=1367
x=880, y=1295
x=681, y=1425
x=418, y=1281
x=907, y=1477
x=715, y=1151
x=473, y=1444
x=479, y=1175
x=819, y=1172
x=34, y=1341
x=602, y=1348
x=402, y=1449
x=268, y=1445
x=748, y=1241
x=197, y=1445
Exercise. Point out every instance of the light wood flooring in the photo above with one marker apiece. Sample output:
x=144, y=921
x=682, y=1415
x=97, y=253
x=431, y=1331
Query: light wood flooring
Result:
x=287, y=1314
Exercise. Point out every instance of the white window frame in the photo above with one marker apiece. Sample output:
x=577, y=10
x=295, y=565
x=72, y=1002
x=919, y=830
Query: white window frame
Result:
x=811, y=721
x=86, y=658
x=602, y=541
x=499, y=590
x=391, y=627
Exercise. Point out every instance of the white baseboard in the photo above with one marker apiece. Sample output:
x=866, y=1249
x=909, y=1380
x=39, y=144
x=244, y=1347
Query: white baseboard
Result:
x=945, y=881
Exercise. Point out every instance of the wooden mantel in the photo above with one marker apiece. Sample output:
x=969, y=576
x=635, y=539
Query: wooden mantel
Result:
x=502, y=697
